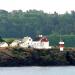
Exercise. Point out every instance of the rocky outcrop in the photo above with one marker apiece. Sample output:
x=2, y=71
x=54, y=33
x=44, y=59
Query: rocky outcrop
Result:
x=35, y=57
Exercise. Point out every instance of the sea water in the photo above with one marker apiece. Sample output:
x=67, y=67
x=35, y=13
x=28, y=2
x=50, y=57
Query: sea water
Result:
x=69, y=70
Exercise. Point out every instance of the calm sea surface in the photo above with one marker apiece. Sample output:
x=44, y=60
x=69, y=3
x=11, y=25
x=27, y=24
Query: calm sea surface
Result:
x=38, y=70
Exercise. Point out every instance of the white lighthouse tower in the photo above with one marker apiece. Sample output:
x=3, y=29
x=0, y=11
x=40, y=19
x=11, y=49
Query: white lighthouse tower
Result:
x=61, y=45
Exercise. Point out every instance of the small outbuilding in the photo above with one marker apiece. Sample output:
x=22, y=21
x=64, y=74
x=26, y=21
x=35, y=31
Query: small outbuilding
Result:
x=15, y=43
x=3, y=44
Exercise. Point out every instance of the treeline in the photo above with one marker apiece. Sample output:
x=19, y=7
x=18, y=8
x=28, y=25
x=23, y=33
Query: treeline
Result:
x=32, y=22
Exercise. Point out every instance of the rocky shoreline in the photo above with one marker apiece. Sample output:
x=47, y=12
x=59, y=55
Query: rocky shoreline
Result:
x=34, y=57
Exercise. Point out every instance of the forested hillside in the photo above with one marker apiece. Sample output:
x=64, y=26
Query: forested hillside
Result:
x=30, y=23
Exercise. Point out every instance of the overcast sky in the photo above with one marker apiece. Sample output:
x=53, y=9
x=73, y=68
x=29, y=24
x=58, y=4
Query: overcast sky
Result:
x=60, y=6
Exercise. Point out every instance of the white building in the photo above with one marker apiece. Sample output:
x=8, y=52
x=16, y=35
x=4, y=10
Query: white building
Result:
x=15, y=43
x=41, y=42
x=26, y=42
x=3, y=44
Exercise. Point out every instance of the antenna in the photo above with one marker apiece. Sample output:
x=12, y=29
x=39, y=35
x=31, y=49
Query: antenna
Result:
x=60, y=36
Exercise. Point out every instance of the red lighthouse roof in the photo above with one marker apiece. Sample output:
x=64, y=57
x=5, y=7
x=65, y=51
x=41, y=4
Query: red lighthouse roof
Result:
x=44, y=39
x=41, y=38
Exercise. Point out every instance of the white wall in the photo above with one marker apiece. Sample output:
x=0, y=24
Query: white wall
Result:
x=4, y=44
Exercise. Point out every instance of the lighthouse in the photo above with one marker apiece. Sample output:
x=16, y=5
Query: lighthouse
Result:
x=61, y=45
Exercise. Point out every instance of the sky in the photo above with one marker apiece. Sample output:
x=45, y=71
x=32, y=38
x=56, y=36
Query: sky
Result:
x=49, y=6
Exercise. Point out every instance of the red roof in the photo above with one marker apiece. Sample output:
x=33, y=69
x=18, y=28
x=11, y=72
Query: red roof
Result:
x=42, y=39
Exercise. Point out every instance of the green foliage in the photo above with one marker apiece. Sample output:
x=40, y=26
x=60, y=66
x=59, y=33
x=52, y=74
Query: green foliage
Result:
x=68, y=39
x=30, y=23
x=1, y=40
